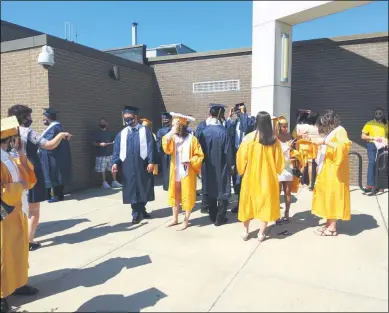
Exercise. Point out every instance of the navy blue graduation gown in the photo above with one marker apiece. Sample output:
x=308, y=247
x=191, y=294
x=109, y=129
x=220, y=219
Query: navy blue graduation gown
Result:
x=138, y=184
x=247, y=125
x=165, y=158
x=218, y=160
x=56, y=163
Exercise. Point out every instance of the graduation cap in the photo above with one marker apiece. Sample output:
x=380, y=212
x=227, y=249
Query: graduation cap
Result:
x=130, y=109
x=238, y=105
x=184, y=119
x=166, y=115
x=9, y=127
x=50, y=112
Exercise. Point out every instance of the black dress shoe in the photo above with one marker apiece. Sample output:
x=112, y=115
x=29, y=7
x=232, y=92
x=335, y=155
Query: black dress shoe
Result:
x=26, y=290
x=221, y=222
x=4, y=306
x=34, y=246
x=235, y=210
x=135, y=221
x=146, y=215
x=204, y=210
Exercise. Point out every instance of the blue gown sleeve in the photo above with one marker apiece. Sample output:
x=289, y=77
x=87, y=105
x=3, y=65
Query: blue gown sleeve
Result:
x=229, y=152
x=159, y=141
x=150, y=147
x=116, y=150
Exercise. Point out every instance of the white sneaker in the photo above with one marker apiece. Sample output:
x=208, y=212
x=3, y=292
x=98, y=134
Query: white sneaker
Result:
x=115, y=184
x=106, y=186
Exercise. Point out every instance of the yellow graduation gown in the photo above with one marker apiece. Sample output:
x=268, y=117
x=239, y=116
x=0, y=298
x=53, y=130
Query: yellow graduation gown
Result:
x=14, y=231
x=189, y=183
x=331, y=196
x=260, y=193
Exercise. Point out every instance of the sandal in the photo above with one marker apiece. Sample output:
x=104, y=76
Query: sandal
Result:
x=245, y=236
x=279, y=221
x=327, y=233
x=261, y=238
x=33, y=246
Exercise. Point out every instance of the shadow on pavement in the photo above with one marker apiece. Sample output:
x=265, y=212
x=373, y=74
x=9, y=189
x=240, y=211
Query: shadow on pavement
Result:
x=48, y=227
x=304, y=220
x=59, y=281
x=119, y=303
x=89, y=234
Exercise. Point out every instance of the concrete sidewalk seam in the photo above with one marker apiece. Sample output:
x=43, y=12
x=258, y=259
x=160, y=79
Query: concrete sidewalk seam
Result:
x=233, y=278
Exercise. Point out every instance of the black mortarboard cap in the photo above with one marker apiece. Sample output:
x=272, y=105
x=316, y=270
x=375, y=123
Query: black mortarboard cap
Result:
x=130, y=109
x=50, y=112
x=239, y=105
x=217, y=108
x=166, y=115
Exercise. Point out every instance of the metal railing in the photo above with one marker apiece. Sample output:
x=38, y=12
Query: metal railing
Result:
x=380, y=166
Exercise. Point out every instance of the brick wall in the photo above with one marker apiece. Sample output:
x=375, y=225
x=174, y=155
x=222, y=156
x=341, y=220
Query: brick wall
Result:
x=176, y=78
x=24, y=81
x=349, y=76
x=82, y=91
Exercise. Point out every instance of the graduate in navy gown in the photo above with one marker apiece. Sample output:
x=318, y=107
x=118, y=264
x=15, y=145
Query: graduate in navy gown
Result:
x=134, y=156
x=164, y=158
x=238, y=128
x=56, y=163
x=218, y=161
x=199, y=129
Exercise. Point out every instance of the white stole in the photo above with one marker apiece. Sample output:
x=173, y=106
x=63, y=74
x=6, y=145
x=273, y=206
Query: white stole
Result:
x=13, y=170
x=323, y=148
x=184, y=152
x=142, y=142
x=52, y=124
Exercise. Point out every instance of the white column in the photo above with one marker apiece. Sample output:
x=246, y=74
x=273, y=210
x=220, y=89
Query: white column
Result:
x=271, y=62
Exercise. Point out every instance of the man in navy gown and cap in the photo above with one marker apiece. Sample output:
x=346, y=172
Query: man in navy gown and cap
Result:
x=134, y=155
x=164, y=158
x=56, y=163
x=218, y=161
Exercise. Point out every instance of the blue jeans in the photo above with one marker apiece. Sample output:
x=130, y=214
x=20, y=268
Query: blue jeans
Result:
x=371, y=154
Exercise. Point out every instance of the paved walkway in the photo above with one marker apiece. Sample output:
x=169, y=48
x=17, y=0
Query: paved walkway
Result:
x=94, y=259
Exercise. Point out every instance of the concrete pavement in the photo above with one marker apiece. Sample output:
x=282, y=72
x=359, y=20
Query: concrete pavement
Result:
x=93, y=259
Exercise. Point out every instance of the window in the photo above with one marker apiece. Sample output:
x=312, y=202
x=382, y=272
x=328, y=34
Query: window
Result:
x=217, y=86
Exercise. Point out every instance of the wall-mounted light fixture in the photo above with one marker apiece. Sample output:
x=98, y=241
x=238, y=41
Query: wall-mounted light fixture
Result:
x=284, y=58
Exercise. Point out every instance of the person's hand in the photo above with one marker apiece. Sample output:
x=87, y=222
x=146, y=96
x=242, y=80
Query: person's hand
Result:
x=24, y=184
x=115, y=168
x=290, y=143
x=102, y=144
x=150, y=168
x=231, y=112
x=67, y=136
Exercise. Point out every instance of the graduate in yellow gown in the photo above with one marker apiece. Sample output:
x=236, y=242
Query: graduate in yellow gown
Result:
x=147, y=123
x=185, y=164
x=17, y=176
x=331, y=195
x=260, y=160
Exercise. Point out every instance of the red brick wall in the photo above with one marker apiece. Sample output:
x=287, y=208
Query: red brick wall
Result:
x=24, y=81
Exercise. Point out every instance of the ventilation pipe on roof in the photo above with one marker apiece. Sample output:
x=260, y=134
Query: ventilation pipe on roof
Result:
x=134, y=34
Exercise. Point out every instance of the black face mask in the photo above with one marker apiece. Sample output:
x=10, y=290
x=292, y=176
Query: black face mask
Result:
x=46, y=123
x=27, y=123
x=129, y=121
x=379, y=116
x=103, y=126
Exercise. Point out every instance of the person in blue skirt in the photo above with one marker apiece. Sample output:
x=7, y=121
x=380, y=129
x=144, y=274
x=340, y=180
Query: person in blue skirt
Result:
x=32, y=141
